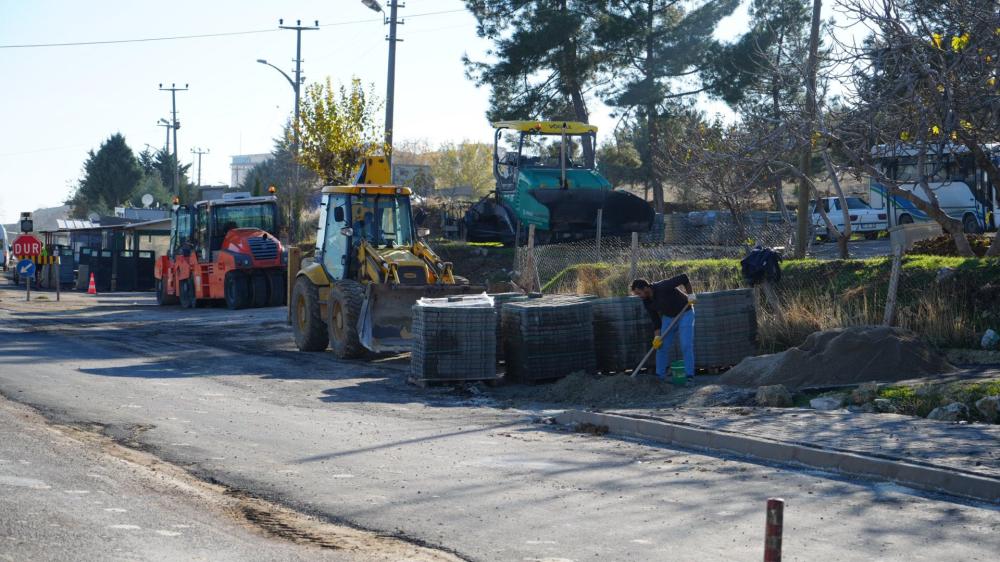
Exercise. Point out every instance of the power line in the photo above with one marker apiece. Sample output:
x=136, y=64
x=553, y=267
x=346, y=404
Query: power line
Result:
x=201, y=35
x=142, y=40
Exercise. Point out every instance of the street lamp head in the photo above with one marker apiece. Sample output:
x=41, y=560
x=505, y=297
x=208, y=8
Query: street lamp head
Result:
x=372, y=5
x=262, y=61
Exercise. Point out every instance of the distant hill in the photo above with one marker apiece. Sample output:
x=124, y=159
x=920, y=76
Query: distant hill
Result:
x=45, y=219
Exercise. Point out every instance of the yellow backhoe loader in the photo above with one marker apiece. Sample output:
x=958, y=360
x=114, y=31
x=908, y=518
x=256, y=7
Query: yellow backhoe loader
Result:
x=370, y=267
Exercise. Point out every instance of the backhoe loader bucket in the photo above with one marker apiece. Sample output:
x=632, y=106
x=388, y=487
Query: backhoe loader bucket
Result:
x=386, y=318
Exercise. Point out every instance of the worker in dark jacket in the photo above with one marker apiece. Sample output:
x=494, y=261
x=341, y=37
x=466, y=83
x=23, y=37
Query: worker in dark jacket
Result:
x=664, y=300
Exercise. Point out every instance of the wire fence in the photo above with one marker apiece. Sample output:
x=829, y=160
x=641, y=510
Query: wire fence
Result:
x=950, y=307
x=673, y=237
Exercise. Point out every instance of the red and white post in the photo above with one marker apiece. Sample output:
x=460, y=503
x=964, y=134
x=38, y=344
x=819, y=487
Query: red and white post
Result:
x=772, y=530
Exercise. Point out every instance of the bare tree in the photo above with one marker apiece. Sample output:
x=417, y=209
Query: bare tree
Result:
x=922, y=90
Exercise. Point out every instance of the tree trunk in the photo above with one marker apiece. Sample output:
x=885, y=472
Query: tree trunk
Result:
x=652, y=135
x=580, y=110
x=844, y=237
x=810, y=118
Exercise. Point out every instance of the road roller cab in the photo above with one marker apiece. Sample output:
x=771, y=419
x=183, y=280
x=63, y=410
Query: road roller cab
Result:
x=224, y=249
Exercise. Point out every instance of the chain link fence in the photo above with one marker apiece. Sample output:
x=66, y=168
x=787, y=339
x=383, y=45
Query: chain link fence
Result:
x=950, y=305
x=690, y=236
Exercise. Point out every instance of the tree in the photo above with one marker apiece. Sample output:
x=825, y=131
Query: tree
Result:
x=465, y=164
x=163, y=165
x=339, y=128
x=147, y=161
x=110, y=176
x=812, y=69
x=651, y=47
x=619, y=161
x=544, y=59
x=289, y=180
x=152, y=185
x=922, y=86
x=760, y=75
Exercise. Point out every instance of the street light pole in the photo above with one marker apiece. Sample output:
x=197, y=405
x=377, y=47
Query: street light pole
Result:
x=166, y=126
x=173, y=89
x=296, y=87
x=390, y=87
x=200, y=153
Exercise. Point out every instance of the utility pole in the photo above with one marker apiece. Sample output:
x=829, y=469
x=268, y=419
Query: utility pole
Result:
x=390, y=84
x=200, y=153
x=297, y=84
x=173, y=89
x=293, y=222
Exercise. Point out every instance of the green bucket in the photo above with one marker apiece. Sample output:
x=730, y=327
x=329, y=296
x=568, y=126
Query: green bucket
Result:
x=677, y=372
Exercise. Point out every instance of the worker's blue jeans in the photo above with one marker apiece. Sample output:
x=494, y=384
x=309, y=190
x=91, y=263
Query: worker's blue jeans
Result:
x=685, y=329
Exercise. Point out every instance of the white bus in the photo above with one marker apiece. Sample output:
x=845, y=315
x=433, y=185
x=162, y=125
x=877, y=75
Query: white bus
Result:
x=4, y=248
x=961, y=187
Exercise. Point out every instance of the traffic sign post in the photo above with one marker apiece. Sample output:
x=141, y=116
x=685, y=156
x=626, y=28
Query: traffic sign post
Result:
x=26, y=269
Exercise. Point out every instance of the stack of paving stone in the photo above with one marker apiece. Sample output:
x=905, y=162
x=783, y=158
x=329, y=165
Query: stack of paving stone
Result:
x=454, y=340
x=623, y=333
x=548, y=338
x=725, y=329
x=498, y=301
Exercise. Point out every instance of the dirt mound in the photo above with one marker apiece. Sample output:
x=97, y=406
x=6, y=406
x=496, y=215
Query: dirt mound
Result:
x=842, y=357
x=617, y=390
x=944, y=245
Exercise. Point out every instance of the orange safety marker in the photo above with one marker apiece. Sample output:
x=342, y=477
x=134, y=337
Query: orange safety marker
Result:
x=92, y=289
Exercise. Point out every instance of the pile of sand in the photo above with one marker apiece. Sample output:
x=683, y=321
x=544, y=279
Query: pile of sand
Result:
x=617, y=390
x=843, y=357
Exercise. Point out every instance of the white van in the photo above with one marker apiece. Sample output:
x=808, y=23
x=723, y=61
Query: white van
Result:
x=961, y=187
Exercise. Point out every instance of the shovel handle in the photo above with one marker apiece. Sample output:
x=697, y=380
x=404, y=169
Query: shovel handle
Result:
x=665, y=332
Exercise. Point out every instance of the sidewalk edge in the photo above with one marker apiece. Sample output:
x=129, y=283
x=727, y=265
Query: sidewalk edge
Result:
x=980, y=488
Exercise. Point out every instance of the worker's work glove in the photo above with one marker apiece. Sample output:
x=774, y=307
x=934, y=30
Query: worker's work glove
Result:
x=692, y=299
x=657, y=342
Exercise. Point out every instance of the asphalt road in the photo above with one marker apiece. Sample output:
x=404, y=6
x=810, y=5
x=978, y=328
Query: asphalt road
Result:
x=225, y=396
x=66, y=498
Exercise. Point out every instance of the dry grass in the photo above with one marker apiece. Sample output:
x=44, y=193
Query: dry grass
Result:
x=825, y=295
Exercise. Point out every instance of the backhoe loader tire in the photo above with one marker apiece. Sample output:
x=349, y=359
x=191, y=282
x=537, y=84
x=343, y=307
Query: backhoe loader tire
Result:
x=188, y=297
x=307, y=323
x=260, y=289
x=343, y=312
x=162, y=298
x=237, y=290
x=278, y=290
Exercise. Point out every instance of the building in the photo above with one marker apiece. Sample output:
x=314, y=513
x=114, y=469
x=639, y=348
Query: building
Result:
x=241, y=164
x=139, y=214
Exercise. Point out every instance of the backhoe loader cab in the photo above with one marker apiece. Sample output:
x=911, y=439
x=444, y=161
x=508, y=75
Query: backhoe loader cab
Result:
x=369, y=268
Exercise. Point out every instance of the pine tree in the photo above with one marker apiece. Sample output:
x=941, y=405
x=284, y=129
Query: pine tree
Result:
x=656, y=50
x=546, y=58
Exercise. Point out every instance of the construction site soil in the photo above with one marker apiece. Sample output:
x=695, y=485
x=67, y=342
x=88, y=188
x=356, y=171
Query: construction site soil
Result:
x=843, y=357
x=621, y=390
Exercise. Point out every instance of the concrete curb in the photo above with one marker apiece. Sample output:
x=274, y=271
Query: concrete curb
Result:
x=923, y=477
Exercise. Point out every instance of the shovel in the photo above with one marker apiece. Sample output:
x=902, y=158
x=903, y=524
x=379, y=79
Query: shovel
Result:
x=663, y=335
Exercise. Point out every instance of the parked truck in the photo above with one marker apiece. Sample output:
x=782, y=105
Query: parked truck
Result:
x=224, y=249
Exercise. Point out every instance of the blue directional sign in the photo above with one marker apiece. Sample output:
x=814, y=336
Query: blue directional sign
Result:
x=26, y=269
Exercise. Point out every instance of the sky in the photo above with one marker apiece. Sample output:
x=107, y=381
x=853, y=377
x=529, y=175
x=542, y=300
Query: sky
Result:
x=59, y=102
